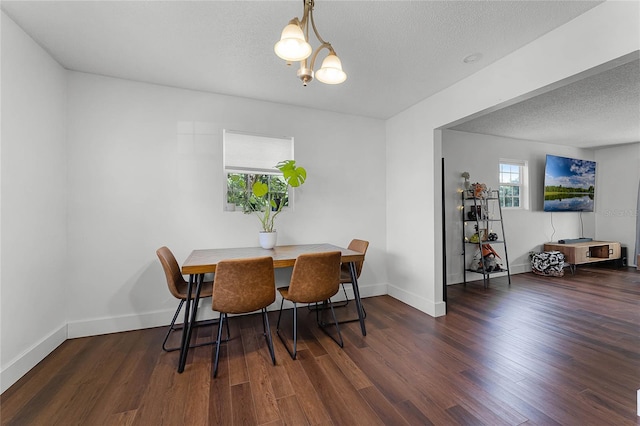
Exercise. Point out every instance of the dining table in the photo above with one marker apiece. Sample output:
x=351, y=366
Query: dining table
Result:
x=204, y=261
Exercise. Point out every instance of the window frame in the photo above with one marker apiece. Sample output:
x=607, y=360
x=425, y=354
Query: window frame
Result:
x=523, y=185
x=254, y=142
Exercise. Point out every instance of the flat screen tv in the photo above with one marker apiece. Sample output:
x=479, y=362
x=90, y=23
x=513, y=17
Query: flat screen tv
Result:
x=569, y=184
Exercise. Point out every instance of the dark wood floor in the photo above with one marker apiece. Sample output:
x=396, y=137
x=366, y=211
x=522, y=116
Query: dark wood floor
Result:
x=544, y=351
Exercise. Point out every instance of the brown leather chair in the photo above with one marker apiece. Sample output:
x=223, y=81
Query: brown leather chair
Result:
x=360, y=246
x=241, y=286
x=315, y=278
x=178, y=288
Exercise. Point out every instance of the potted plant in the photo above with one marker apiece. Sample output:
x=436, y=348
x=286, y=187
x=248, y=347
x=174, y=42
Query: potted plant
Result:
x=269, y=197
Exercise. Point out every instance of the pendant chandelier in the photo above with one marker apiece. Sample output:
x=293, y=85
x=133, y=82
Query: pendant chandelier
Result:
x=294, y=47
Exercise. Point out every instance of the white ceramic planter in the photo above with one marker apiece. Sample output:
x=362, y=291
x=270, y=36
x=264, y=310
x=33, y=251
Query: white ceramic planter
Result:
x=268, y=239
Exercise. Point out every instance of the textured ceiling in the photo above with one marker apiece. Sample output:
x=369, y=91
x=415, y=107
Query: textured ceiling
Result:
x=603, y=109
x=395, y=53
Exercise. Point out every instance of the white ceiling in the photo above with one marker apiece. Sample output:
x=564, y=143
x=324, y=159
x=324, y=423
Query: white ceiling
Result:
x=395, y=53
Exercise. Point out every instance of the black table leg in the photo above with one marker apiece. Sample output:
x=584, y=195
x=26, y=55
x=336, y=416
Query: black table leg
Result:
x=356, y=295
x=184, y=343
x=189, y=319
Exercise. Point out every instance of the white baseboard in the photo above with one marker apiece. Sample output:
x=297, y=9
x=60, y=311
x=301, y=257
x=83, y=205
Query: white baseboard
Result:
x=21, y=364
x=98, y=326
x=365, y=291
x=457, y=278
x=93, y=327
x=435, y=309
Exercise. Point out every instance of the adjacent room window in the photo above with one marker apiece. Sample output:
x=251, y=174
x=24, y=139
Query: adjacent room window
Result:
x=513, y=178
x=250, y=158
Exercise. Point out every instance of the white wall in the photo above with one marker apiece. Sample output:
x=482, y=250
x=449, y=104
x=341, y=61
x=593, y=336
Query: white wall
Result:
x=604, y=33
x=617, y=176
x=145, y=170
x=33, y=211
x=525, y=230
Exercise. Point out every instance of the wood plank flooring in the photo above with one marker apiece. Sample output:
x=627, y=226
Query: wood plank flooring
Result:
x=545, y=351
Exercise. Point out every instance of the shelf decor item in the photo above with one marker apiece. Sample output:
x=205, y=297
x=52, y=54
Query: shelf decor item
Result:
x=475, y=212
x=466, y=177
x=480, y=190
x=485, y=260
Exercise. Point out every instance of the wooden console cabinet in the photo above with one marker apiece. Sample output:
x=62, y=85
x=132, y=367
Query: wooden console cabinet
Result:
x=586, y=252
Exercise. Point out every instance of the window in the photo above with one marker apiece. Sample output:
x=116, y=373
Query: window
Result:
x=250, y=158
x=513, y=177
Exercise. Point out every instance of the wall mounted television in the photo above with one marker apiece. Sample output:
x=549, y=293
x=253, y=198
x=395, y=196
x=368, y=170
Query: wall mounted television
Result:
x=569, y=184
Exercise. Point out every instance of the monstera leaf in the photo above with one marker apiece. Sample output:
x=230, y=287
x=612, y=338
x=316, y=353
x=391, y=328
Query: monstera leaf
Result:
x=293, y=175
x=260, y=189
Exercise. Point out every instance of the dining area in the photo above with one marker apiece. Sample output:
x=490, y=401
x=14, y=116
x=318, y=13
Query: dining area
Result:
x=244, y=283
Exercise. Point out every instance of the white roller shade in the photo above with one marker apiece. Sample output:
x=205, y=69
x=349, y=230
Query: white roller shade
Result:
x=249, y=152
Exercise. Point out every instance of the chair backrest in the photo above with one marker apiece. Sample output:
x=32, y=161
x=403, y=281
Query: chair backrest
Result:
x=360, y=246
x=243, y=285
x=171, y=271
x=315, y=277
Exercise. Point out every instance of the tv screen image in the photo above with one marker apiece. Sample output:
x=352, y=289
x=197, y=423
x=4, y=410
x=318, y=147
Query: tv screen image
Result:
x=569, y=184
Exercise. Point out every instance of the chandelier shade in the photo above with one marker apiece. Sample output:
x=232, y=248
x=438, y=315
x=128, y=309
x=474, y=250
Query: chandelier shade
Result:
x=331, y=70
x=294, y=47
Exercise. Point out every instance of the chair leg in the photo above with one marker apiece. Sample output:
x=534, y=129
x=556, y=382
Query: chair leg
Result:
x=267, y=334
x=279, y=316
x=335, y=321
x=342, y=304
x=364, y=312
x=345, y=293
x=228, y=332
x=173, y=322
x=223, y=318
x=173, y=328
x=295, y=330
x=346, y=297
